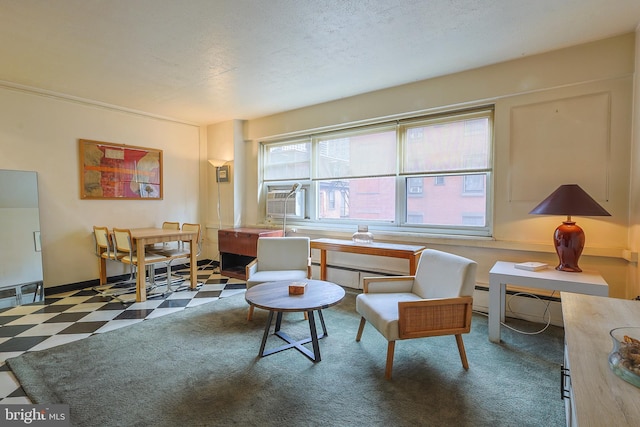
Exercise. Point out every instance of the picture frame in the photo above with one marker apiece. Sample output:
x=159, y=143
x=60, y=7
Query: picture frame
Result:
x=119, y=171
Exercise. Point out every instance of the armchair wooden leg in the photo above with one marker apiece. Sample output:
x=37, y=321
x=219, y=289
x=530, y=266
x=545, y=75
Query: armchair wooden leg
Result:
x=250, y=314
x=463, y=353
x=390, y=349
x=360, y=329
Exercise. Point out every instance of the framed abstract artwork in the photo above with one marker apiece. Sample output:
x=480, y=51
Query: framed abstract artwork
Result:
x=119, y=171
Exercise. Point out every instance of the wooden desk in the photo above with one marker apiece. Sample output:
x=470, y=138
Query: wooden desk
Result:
x=504, y=273
x=238, y=247
x=147, y=236
x=410, y=252
x=597, y=396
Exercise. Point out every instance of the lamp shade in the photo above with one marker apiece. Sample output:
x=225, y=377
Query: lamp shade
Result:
x=569, y=238
x=569, y=199
x=217, y=162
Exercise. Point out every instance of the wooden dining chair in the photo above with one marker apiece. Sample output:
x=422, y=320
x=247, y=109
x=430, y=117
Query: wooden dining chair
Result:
x=105, y=249
x=183, y=251
x=124, y=244
x=167, y=225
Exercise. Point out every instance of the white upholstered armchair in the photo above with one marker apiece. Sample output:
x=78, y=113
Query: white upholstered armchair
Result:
x=436, y=301
x=279, y=258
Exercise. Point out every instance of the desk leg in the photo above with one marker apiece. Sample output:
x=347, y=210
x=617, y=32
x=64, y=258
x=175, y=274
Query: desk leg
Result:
x=141, y=279
x=413, y=264
x=194, y=262
x=496, y=309
x=103, y=271
x=323, y=264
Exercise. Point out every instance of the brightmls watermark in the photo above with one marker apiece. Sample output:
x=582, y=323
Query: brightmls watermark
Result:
x=34, y=415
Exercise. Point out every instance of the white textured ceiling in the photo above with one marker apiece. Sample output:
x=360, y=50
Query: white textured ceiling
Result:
x=206, y=61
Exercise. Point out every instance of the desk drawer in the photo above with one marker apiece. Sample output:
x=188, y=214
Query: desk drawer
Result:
x=243, y=241
x=237, y=243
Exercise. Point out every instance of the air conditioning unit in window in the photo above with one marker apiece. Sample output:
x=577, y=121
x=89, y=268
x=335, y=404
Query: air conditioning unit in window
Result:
x=276, y=204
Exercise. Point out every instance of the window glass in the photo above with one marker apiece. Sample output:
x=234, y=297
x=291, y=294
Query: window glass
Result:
x=290, y=160
x=447, y=202
x=357, y=154
x=442, y=146
x=371, y=199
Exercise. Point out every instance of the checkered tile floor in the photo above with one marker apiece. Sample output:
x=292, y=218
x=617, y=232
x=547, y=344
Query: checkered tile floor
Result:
x=79, y=314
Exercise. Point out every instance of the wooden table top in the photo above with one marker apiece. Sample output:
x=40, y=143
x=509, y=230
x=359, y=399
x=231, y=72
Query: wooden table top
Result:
x=351, y=246
x=600, y=397
x=144, y=233
x=274, y=296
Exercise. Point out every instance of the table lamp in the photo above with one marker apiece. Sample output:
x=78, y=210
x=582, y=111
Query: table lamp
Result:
x=569, y=238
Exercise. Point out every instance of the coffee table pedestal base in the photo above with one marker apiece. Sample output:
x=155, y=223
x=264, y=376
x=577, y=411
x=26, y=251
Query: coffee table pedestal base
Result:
x=291, y=343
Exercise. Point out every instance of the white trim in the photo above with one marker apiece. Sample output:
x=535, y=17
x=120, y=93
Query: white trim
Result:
x=87, y=102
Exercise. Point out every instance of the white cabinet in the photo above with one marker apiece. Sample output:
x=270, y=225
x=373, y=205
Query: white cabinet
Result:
x=596, y=396
x=567, y=390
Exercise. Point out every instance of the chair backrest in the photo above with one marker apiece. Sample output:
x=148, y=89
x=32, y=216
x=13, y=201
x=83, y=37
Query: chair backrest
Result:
x=444, y=275
x=169, y=225
x=123, y=239
x=283, y=253
x=101, y=237
x=101, y=234
x=194, y=227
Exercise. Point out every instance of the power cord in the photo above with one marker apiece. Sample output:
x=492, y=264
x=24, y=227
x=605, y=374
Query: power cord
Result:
x=545, y=313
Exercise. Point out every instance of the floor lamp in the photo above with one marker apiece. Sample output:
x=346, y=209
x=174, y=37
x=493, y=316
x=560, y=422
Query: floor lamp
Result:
x=294, y=190
x=218, y=163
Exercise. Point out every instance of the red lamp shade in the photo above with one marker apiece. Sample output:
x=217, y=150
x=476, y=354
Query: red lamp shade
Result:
x=568, y=238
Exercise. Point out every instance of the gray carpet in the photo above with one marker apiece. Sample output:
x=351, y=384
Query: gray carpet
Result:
x=199, y=367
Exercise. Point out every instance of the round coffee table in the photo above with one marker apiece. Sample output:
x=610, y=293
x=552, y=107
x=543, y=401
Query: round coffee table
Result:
x=275, y=297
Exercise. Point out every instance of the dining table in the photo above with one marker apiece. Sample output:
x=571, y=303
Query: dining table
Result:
x=148, y=236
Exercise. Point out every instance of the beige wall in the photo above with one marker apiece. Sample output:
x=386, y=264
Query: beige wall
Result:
x=599, y=73
x=40, y=132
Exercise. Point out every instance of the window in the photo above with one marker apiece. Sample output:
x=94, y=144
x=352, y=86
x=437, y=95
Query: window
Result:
x=473, y=185
x=428, y=174
x=287, y=161
x=414, y=186
x=332, y=199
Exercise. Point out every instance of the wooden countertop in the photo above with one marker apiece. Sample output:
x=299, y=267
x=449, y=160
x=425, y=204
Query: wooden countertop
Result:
x=600, y=397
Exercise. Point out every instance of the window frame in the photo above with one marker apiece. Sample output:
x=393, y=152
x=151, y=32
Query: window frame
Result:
x=400, y=222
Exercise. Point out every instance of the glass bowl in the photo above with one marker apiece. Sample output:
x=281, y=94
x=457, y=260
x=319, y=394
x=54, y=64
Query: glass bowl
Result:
x=624, y=359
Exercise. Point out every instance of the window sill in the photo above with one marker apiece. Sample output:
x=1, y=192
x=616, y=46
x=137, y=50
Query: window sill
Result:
x=316, y=232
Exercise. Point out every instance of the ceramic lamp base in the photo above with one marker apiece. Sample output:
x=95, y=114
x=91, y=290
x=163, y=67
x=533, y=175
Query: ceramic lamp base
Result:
x=569, y=240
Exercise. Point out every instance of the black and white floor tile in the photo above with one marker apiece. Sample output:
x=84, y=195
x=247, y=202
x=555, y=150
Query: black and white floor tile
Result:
x=76, y=315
